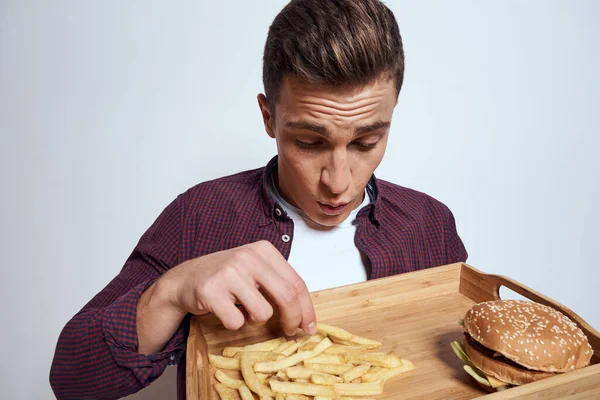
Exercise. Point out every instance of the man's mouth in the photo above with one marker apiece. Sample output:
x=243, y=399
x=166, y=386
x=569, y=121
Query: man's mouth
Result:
x=333, y=209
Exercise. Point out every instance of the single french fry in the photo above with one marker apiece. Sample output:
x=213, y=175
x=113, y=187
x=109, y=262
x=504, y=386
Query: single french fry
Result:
x=282, y=376
x=224, y=362
x=299, y=372
x=250, y=377
x=359, y=389
x=334, y=369
x=263, y=378
x=266, y=397
x=301, y=380
x=274, y=366
x=326, y=359
x=267, y=345
x=227, y=380
x=355, y=372
x=387, y=373
x=224, y=392
x=325, y=379
x=357, y=380
x=308, y=389
x=231, y=351
x=297, y=397
x=334, y=331
x=342, y=349
x=256, y=356
x=280, y=396
x=316, y=338
x=386, y=360
x=281, y=347
x=366, y=344
x=245, y=393
x=291, y=349
x=308, y=346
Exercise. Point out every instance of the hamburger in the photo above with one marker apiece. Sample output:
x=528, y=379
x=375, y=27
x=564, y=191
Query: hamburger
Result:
x=513, y=342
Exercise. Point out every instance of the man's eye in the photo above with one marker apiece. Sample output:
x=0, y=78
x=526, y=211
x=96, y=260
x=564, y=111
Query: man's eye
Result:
x=307, y=145
x=365, y=146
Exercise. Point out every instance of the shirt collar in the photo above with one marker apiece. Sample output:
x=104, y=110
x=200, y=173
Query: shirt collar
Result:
x=269, y=204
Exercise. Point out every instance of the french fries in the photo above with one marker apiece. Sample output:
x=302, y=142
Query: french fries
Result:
x=224, y=362
x=326, y=359
x=335, y=369
x=325, y=379
x=359, y=389
x=334, y=331
x=262, y=346
x=309, y=389
x=245, y=393
x=250, y=376
x=224, y=392
x=342, y=349
x=228, y=381
x=291, y=349
x=355, y=372
x=274, y=366
x=332, y=364
x=344, y=337
x=387, y=373
x=386, y=360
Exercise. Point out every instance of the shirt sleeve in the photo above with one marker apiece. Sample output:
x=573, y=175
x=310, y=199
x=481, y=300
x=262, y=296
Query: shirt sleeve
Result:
x=455, y=249
x=97, y=352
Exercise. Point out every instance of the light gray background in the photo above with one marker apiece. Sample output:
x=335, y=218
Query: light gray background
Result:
x=109, y=109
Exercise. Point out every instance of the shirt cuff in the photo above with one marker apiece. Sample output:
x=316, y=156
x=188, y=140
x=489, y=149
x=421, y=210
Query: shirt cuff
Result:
x=120, y=333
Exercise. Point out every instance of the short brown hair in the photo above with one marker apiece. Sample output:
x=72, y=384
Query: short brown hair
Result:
x=332, y=43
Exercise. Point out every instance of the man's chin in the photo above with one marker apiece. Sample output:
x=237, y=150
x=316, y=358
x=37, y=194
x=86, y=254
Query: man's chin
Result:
x=328, y=221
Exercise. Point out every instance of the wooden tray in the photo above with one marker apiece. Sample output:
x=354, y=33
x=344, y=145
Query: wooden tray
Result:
x=414, y=314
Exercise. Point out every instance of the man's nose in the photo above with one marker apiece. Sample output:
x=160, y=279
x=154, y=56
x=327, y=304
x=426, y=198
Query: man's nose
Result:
x=336, y=174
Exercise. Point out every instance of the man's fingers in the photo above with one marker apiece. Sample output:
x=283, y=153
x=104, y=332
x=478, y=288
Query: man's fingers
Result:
x=308, y=319
x=231, y=317
x=284, y=296
x=256, y=307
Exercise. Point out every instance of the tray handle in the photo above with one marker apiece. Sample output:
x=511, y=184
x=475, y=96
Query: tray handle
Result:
x=485, y=286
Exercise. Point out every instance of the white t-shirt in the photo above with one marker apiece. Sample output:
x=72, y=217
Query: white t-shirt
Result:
x=324, y=257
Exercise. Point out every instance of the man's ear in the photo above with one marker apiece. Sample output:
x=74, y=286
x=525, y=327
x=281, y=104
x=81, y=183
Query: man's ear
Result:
x=267, y=116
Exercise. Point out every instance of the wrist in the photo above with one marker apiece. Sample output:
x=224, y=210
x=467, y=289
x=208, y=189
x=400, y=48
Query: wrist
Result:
x=166, y=294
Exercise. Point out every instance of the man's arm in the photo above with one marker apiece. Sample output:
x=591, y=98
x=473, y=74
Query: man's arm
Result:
x=97, y=352
x=127, y=335
x=455, y=249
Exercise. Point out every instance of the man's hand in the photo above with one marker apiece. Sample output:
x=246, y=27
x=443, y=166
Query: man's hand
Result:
x=216, y=283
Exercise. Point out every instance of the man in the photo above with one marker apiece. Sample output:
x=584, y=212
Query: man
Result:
x=314, y=217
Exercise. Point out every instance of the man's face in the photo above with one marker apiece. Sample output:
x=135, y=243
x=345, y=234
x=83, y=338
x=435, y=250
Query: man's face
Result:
x=329, y=141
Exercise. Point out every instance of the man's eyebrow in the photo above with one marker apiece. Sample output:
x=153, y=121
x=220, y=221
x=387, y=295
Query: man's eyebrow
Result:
x=372, y=127
x=320, y=129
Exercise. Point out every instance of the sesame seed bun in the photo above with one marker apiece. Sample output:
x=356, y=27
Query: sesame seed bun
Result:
x=531, y=335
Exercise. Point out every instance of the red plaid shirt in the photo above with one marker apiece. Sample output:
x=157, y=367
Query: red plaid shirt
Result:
x=96, y=356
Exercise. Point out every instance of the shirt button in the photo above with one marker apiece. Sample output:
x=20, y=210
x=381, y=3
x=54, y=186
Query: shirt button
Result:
x=173, y=357
x=278, y=212
x=285, y=238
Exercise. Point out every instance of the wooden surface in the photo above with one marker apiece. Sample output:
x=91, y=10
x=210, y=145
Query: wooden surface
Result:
x=414, y=314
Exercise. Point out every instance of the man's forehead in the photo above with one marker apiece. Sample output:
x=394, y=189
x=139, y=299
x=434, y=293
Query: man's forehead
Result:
x=302, y=102
x=294, y=88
